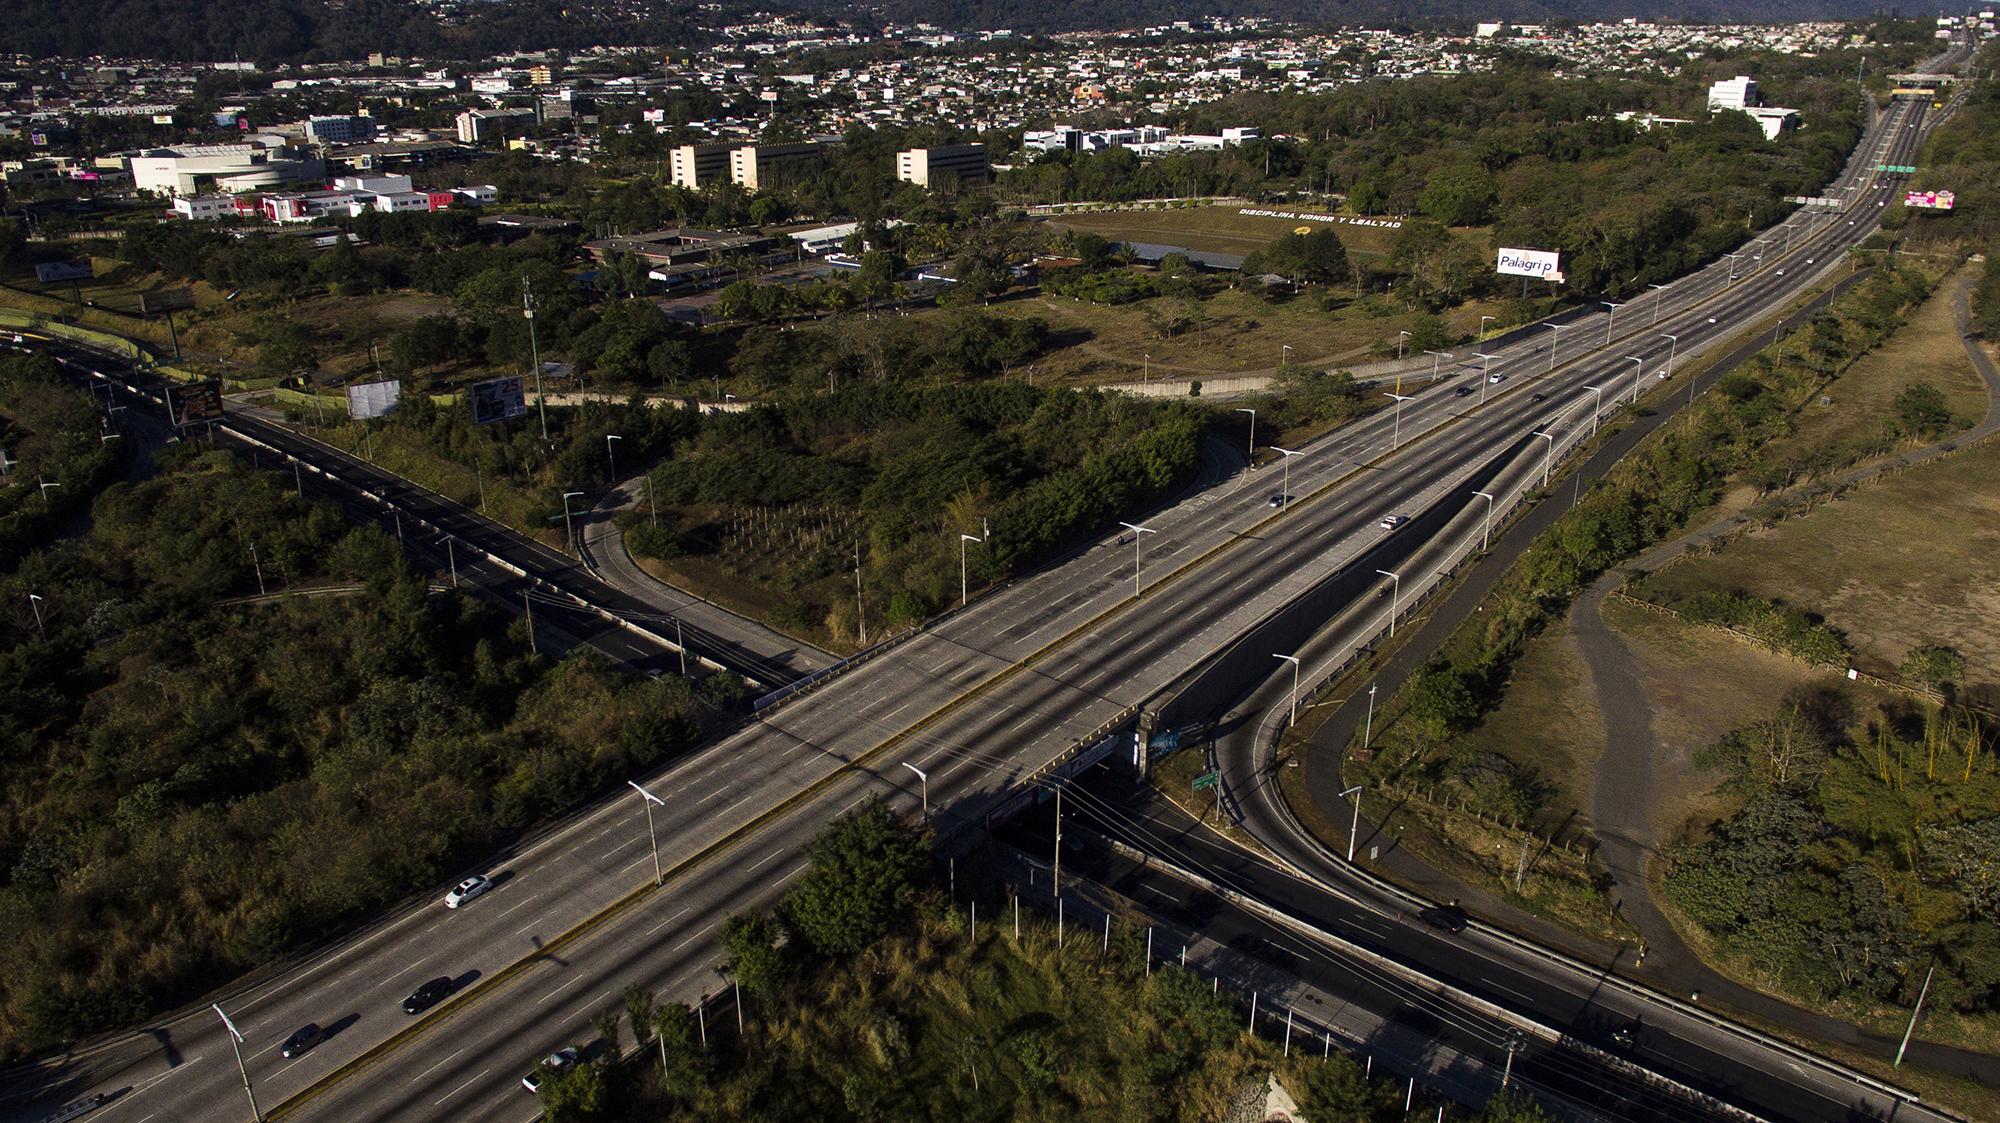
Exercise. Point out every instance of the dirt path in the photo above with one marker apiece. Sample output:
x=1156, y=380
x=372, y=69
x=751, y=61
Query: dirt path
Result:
x=1623, y=810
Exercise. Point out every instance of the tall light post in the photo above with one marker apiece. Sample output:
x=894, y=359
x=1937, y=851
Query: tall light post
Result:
x=1673, y=343
x=1638, y=373
x=1548, y=458
x=236, y=1045
x=1554, y=344
x=1662, y=291
x=647, y=800
x=1138, y=532
x=963, y=539
x=611, y=454
x=1611, y=316
x=35, y=604
x=1596, y=407
x=1284, y=354
x=569, y=524
x=1482, y=325
x=451, y=559
x=1294, y=661
x=1368, y=729
x=1486, y=536
x=1146, y=371
x=924, y=786
x=1285, y=496
x=1402, y=337
x=1485, y=373
x=1437, y=360
x=1395, y=598
x=534, y=352
x=1253, y=435
x=1732, y=266
x=1354, y=827
x=1396, y=438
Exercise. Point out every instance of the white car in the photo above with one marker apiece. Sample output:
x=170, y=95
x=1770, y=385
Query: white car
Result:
x=1394, y=521
x=1496, y=379
x=466, y=890
x=553, y=1063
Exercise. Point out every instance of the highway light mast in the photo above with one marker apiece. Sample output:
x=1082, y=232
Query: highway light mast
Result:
x=1294, y=661
x=963, y=596
x=534, y=352
x=1137, y=533
x=236, y=1045
x=650, y=799
x=1285, y=496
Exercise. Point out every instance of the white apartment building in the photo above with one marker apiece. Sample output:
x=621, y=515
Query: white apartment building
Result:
x=938, y=167
x=698, y=165
x=1736, y=93
x=194, y=169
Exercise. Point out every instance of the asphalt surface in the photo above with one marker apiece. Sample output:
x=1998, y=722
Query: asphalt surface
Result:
x=977, y=702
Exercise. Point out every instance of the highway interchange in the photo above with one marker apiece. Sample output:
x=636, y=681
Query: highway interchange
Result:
x=978, y=701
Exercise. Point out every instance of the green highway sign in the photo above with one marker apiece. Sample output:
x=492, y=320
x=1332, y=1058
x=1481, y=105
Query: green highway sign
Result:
x=1206, y=780
x=1906, y=169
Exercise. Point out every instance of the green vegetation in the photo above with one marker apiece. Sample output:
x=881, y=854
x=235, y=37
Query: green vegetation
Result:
x=785, y=494
x=55, y=457
x=1866, y=848
x=866, y=996
x=196, y=783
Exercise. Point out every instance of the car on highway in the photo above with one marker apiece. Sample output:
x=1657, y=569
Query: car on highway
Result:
x=1391, y=522
x=1538, y=396
x=1277, y=500
x=1450, y=918
x=466, y=890
x=1624, y=1037
x=1496, y=379
x=428, y=995
x=302, y=1041
x=1462, y=392
x=550, y=1065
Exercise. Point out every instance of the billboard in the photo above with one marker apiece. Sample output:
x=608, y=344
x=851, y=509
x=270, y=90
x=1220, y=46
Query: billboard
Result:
x=372, y=399
x=166, y=300
x=1930, y=200
x=654, y=116
x=499, y=399
x=1544, y=264
x=196, y=401
x=49, y=272
x=163, y=118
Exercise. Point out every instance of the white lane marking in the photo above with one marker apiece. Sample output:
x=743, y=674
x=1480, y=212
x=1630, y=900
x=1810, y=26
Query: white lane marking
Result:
x=573, y=981
x=669, y=920
x=460, y=1088
x=796, y=871
x=689, y=940
x=435, y=1067
x=765, y=858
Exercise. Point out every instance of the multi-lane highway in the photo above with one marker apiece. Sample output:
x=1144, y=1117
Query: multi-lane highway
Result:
x=977, y=702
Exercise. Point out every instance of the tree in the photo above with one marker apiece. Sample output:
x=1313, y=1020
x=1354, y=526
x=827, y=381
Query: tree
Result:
x=1514, y=1107
x=573, y=1095
x=864, y=869
x=639, y=1011
x=606, y=1021
x=1337, y=1089
x=1921, y=407
x=755, y=960
x=1459, y=195
x=1934, y=665
x=1316, y=256
x=683, y=1060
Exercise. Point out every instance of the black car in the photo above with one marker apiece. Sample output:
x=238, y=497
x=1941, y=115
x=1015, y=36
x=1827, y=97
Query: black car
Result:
x=427, y=996
x=1451, y=918
x=1624, y=1037
x=1538, y=396
x=299, y=1043
x=1462, y=392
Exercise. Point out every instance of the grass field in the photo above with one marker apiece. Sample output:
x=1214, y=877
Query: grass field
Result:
x=1225, y=230
x=1908, y=560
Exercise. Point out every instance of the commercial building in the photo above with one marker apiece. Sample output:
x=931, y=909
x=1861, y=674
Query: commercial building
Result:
x=1736, y=93
x=195, y=169
x=208, y=208
x=698, y=165
x=476, y=126
x=340, y=130
x=764, y=166
x=942, y=167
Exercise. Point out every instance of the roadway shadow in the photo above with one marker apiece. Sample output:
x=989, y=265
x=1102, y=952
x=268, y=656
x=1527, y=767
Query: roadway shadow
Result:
x=536, y=943
x=501, y=877
x=334, y=1028
x=461, y=982
x=168, y=1050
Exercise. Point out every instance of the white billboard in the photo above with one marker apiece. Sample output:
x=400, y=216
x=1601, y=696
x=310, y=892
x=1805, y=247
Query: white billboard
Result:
x=372, y=399
x=1545, y=264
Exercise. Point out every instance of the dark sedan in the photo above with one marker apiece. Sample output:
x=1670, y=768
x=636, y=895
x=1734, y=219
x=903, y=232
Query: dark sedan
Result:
x=427, y=996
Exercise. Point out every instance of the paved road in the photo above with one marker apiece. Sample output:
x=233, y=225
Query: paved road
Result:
x=977, y=702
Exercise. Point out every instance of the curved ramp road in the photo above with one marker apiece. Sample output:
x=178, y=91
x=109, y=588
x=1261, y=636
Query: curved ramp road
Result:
x=979, y=701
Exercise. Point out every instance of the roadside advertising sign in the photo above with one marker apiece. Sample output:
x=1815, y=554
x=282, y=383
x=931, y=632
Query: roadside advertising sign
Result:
x=372, y=399
x=499, y=399
x=1542, y=264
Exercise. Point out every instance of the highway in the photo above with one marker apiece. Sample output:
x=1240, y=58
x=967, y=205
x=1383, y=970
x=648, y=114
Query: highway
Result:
x=977, y=701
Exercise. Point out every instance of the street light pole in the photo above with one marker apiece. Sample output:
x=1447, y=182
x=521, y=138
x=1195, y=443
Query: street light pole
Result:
x=1486, y=536
x=1554, y=345
x=1437, y=360
x=1485, y=373
x=1137, y=532
x=236, y=1045
x=963, y=595
x=534, y=352
x=1548, y=459
x=648, y=800
x=1402, y=337
x=1368, y=729
x=35, y=603
x=1253, y=435
x=1673, y=344
x=611, y=454
x=1285, y=497
x=1610, y=318
x=569, y=526
x=1354, y=827
x=451, y=559
x=1638, y=372
x=1482, y=325
x=1596, y=407
x=1395, y=597
x=1396, y=438
x=1662, y=290
x=924, y=782
x=1294, y=661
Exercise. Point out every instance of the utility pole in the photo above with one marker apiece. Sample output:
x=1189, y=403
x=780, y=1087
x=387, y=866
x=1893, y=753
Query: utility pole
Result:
x=534, y=352
x=1514, y=1044
x=1057, y=868
x=964, y=594
x=236, y=1045
x=1368, y=730
x=530, y=606
x=1294, y=661
x=1354, y=827
x=650, y=799
x=1919, y=1008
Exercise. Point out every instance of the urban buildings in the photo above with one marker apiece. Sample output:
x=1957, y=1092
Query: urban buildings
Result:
x=943, y=167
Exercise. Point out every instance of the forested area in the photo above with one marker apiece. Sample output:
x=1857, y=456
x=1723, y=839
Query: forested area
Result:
x=867, y=994
x=55, y=452
x=1866, y=849
x=794, y=493
x=196, y=783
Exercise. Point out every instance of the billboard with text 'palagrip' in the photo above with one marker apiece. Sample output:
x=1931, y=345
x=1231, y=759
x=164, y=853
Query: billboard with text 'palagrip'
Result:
x=1541, y=264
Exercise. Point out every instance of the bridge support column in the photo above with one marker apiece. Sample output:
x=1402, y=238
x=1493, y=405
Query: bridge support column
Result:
x=1142, y=748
